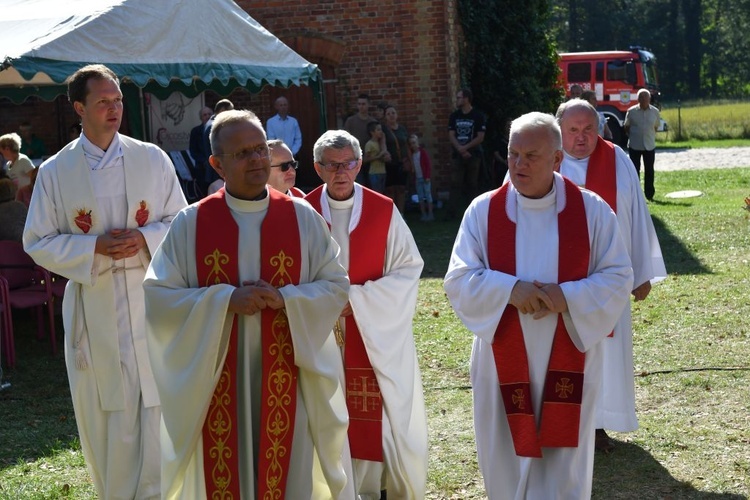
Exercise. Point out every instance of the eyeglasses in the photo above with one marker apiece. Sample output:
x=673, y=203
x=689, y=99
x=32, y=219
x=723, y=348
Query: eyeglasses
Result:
x=287, y=165
x=334, y=167
x=258, y=152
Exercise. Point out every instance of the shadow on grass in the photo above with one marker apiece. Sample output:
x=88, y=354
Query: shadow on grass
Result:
x=631, y=472
x=677, y=257
x=434, y=240
x=36, y=411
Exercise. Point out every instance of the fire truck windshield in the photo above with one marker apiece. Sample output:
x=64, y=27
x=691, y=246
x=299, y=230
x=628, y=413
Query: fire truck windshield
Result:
x=649, y=68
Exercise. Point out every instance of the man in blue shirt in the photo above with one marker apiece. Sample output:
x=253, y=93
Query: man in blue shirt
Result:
x=284, y=127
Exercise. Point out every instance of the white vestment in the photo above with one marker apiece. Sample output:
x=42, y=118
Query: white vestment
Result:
x=480, y=295
x=115, y=398
x=188, y=332
x=616, y=407
x=383, y=310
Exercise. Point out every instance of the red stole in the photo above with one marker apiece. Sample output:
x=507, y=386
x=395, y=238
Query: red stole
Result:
x=563, y=387
x=217, y=254
x=363, y=398
x=601, y=174
x=296, y=192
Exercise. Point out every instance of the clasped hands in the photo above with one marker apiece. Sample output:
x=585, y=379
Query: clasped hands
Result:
x=120, y=243
x=538, y=298
x=253, y=297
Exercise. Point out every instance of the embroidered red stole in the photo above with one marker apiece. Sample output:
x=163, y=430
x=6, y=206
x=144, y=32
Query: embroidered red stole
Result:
x=217, y=254
x=563, y=387
x=363, y=398
x=601, y=174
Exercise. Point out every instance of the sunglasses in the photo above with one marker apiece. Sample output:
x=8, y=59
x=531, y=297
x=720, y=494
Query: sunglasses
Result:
x=287, y=165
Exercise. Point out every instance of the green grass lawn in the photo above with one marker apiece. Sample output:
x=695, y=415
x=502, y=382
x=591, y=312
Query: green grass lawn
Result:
x=692, y=356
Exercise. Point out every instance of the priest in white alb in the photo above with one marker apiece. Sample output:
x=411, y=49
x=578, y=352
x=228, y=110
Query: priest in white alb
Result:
x=387, y=419
x=603, y=167
x=539, y=275
x=99, y=210
x=241, y=301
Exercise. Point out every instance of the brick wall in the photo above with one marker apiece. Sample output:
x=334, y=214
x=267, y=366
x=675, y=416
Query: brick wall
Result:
x=405, y=53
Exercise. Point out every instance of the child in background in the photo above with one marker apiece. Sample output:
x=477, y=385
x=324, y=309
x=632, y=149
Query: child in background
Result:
x=422, y=173
x=376, y=155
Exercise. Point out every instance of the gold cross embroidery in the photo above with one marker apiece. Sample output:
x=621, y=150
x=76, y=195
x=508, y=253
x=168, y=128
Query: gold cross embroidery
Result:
x=564, y=388
x=519, y=399
x=366, y=399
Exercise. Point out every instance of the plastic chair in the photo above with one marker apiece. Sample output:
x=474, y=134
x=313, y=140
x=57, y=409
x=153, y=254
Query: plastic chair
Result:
x=29, y=285
x=58, y=285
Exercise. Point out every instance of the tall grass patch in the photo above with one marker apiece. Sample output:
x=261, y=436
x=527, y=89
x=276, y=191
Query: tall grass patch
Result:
x=699, y=120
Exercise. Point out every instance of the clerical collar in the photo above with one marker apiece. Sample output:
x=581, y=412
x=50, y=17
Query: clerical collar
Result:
x=538, y=203
x=341, y=204
x=256, y=205
x=573, y=158
x=96, y=157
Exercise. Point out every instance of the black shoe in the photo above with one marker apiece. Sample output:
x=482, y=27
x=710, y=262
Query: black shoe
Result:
x=603, y=442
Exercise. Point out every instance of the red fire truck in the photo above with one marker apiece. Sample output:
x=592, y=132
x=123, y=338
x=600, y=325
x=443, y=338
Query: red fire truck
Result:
x=616, y=77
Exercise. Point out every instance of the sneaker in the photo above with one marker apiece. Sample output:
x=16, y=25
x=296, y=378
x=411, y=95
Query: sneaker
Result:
x=423, y=218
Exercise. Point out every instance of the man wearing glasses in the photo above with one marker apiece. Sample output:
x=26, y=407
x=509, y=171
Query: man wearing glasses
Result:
x=387, y=420
x=283, y=169
x=241, y=298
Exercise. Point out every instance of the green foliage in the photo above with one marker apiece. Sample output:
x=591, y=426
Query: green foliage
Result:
x=508, y=58
x=701, y=45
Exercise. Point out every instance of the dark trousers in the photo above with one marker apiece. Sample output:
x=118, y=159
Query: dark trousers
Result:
x=648, y=169
x=464, y=183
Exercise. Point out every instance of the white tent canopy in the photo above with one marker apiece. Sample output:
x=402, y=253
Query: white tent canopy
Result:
x=42, y=42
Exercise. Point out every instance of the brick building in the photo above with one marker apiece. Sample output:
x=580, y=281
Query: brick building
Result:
x=405, y=53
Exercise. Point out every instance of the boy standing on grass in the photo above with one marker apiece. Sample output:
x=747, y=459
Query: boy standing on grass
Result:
x=422, y=172
x=375, y=155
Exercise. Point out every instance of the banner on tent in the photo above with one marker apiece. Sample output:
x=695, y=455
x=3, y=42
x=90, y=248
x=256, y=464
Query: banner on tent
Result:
x=171, y=120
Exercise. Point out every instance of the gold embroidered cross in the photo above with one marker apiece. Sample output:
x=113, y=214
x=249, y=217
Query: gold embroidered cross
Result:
x=519, y=399
x=366, y=399
x=564, y=388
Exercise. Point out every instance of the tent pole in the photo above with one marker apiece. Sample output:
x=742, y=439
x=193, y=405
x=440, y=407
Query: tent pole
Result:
x=322, y=102
x=143, y=113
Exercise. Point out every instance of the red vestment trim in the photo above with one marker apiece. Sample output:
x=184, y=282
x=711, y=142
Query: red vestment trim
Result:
x=367, y=242
x=563, y=388
x=601, y=174
x=217, y=253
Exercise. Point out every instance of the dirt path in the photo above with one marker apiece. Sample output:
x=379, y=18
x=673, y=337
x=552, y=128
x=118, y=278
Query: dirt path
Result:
x=700, y=158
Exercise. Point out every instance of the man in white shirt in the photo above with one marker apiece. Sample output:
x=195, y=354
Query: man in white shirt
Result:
x=242, y=296
x=598, y=165
x=641, y=123
x=99, y=210
x=387, y=419
x=539, y=275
